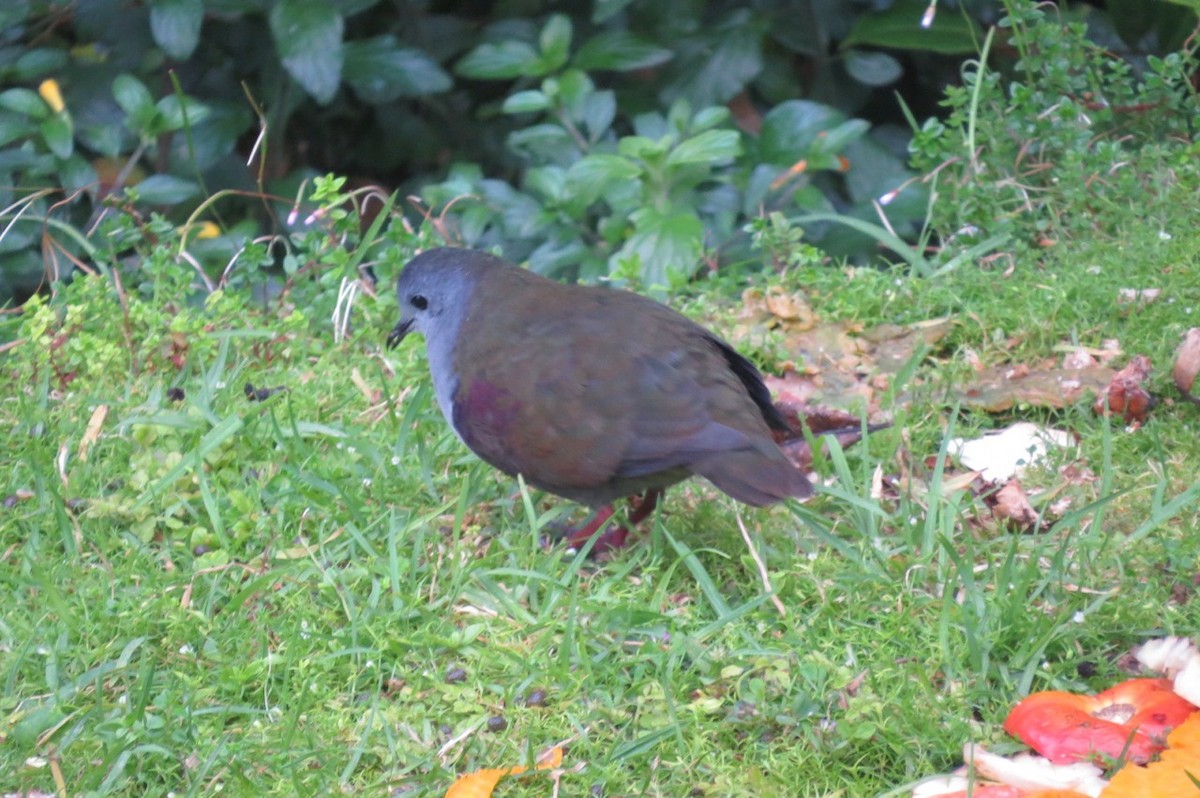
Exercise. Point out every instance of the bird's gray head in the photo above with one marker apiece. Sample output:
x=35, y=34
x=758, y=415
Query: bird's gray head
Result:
x=434, y=291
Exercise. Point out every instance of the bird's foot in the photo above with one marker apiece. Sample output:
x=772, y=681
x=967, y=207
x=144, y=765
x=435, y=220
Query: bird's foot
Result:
x=609, y=535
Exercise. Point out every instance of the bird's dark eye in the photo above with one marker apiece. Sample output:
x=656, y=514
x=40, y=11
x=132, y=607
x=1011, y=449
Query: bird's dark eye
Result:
x=419, y=302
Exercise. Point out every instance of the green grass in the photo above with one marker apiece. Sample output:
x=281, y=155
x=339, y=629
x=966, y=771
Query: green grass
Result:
x=324, y=592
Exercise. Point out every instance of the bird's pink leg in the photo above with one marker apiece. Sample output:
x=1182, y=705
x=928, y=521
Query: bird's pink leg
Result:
x=643, y=505
x=611, y=538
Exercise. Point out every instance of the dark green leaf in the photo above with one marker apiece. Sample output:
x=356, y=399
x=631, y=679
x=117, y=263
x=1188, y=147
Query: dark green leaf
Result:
x=555, y=41
x=40, y=62
x=620, y=50
x=589, y=178
x=308, y=37
x=508, y=59
x=166, y=190
x=663, y=243
x=791, y=129
x=13, y=127
x=544, y=143
x=524, y=102
x=133, y=96
x=714, y=69
x=176, y=113
x=713, y=147
x=176, y=26
x=899, y=28
x=75, y=173
x=604, y=9
x=24, y=101
x=641, y=147
x=599, y=110
x=13, y=12
x=382, y=71
x=836, y=139
x=56, y=132
x=547, y=182
x=873, y=69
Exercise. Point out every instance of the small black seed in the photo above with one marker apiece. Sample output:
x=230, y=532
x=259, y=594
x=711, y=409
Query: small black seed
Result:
x=456, y=675
x=536, y=698
x=1086, y=669
x=497, y=723
x=201, y=549
x=175, y=394
x=445, y=730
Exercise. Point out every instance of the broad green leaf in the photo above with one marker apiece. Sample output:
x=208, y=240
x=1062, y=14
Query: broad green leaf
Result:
x=721, y=65
x=176, y=26
x=871, y=68
x=24, y=101
x=599, y=110
x=641, y=147
x=308, y=37
x=547, y=182
x=589, y=177
x=57, y=133
x=524, y=102
x=663, y=243
x=555, y=41
x=133, y=96
x=899, y=28
x=621, y=51
x=40, y=62
x=166, y=190
x=508, y=59
x=14, y=126
x=544, y=143
x=836, y=140
x=604, y=9
x=380, y=70
x=713, y=147
x=791, y=128
x=76, y=173
x=176, y=113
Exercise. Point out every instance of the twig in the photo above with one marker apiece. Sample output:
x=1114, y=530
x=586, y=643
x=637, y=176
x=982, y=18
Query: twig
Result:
x=762, y=567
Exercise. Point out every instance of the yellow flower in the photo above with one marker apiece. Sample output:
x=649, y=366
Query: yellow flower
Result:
x=207, y=230
x=51, y=94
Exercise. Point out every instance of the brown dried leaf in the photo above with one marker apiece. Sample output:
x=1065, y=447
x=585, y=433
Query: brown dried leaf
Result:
x=1187, y=363
x=895, y=345
x=1001, y=388
x=1126, y=394
x=1011, y=503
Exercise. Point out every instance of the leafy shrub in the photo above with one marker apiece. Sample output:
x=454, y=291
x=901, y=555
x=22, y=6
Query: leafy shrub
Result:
x=680, y=122
x=1072, y=142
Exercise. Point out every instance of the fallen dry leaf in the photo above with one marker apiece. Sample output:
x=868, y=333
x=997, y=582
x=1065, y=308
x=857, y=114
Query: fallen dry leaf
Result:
x=92, y=433
x=1139, y=296
x=1011, y=503
x=1187, y=363
x=1126, y=394
x=1001, y=388
x=481, y=783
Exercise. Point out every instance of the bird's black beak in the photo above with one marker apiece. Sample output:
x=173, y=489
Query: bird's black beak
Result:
x=398, y=332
